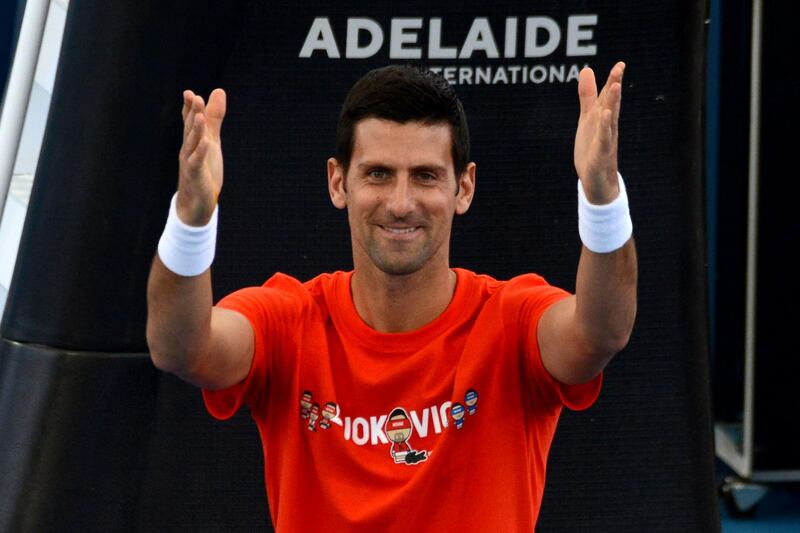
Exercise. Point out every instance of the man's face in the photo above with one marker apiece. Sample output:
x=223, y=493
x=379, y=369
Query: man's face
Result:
x=401, y=194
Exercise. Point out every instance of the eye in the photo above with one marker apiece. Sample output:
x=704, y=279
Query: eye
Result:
x=378, y=174
x=427, y=177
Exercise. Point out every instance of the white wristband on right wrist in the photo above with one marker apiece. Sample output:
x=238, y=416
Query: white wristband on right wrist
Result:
x=604, y=228
x=187, y=250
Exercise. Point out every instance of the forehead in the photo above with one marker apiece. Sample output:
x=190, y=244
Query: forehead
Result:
x=400, y=145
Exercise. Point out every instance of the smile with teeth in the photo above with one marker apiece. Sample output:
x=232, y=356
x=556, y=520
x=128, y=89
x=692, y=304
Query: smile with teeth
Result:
x=399, y=231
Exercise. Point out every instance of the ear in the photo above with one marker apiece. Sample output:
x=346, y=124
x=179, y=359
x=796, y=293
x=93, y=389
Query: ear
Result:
x=336, y=186
x=466, y=189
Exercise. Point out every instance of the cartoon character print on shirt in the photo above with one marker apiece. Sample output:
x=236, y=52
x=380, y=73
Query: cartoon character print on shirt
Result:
x=458, y=412
x=398, y=430
x=329, y=411
x=313, y=417
x=305, y=404
x=471, y=401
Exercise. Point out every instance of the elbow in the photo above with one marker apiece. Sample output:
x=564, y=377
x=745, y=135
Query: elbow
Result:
x=617, y=342
x=606, y=344
x=616, y=339
x=181, y=360
x=616, y=335
x=157, y=354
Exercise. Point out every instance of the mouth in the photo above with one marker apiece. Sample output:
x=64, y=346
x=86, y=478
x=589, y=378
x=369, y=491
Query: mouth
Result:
x=400, y=233
x=400, y=230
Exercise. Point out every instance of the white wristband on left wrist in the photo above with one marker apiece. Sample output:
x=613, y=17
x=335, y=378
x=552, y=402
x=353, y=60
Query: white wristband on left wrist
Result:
x=604, y=228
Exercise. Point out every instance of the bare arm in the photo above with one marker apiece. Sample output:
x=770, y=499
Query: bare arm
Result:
x=579, y=335
x=209, y=347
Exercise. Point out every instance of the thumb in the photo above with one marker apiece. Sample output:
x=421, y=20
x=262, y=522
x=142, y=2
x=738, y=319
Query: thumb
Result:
x=587, y=90
x=215, y=111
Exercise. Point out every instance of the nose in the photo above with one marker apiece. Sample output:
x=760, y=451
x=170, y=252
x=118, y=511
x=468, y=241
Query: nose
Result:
x=400, y=203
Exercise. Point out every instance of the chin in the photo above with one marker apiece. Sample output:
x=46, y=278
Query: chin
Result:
x=399, y=269
x=402, y=264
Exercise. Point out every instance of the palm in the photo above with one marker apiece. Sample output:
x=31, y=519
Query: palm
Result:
x=201, y=164
x=597, y=134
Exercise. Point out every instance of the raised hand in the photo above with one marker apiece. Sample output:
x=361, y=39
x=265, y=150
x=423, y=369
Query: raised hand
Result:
x=596, y=139
x=200, y=159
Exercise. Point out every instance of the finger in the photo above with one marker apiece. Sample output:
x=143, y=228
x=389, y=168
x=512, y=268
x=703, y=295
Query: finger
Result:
x=196, y=159
x=615, y=76
x=195, y=135
x=188, y=119
x=187, y=103
x=587, y=90
x=215, y=111
x=615, y=103
x=196, y=106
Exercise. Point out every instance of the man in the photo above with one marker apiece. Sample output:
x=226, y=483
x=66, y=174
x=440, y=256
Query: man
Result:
x=403, y=333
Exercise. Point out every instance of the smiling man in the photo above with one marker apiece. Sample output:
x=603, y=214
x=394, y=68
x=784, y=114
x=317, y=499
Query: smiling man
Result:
x=357, y=380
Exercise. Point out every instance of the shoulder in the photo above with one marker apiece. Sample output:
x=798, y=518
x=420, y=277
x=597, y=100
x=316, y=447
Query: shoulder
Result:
x=518, y=286
x=280, y=292
x=531, y=293
x=522, y=297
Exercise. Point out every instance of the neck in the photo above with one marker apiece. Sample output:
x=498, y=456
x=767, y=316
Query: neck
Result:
x=394, y=304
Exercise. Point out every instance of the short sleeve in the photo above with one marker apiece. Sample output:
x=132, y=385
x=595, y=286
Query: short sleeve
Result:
x=272, y=311
x=533, y=296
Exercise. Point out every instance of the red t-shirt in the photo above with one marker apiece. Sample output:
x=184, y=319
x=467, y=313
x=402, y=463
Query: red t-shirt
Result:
x=403, y=451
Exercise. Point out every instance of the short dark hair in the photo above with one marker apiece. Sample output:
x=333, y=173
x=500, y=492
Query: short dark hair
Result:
x=403, y=93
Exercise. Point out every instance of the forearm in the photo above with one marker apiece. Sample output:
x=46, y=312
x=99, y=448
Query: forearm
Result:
x=605, y=299
x=179, y=312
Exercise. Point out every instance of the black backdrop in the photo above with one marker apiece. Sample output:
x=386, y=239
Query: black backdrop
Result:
x=640, y=460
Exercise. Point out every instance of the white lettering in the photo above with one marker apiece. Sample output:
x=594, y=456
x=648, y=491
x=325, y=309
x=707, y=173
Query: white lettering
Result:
x=443, y=412
x=437, y=425
x=400, y=37
x=376, y=428
x=500, y=76
x=465, y=76
x=347, y=426
x=542, y=74
x=483, y=74
x=576, y=33
x=543, y=36
x=556, y=73
x=435, y=49
x=480, y=37
x=422, y=428
x=510, y=49
x=514, y=70
x=354, y=27
x=361, y=436
x=450, y=74
x=320, y=37
x=532, y=27
x=574, y=72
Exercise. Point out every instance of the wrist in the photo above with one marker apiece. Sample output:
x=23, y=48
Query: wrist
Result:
x=193, y=213
x=185, y=249
x=607, y=227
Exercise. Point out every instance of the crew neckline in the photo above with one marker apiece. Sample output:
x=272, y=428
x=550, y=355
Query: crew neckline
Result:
x=350, y=321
